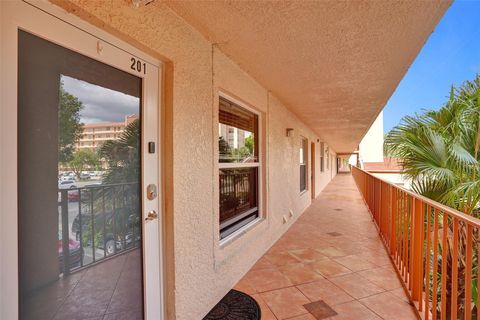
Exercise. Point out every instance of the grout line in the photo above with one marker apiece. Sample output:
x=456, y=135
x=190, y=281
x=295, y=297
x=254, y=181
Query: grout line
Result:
x=266, y=304
x=69, y=293
x=116, y=284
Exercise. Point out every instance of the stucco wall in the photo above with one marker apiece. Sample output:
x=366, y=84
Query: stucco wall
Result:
x=371, y=146
x=200, y=270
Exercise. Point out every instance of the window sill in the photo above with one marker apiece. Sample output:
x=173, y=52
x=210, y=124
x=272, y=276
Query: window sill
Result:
x=303, y=192
x=240, y=232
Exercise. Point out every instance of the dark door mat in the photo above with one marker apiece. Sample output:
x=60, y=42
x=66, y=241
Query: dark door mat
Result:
x=235, y=305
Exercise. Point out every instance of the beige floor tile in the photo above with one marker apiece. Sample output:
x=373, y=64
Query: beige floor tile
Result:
x=303, y=317
x=353, y=310
x=329, y=268
x=308, y=255
x=400, y=293
x=262, y=263
x=388, y=306
x=244, y=286
x=298, y=273
x=355, y=262
x=267, y=314
x=281, y=258
x=286, y=303
x=267, y=279
x=333, y=252
x=356, y=286
x=326, y=291
x=385, y=278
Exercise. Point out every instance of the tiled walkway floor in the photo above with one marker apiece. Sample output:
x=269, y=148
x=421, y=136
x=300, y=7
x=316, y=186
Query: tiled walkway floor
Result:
x=331, y=254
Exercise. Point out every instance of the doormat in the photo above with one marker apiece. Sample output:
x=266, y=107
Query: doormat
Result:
x=235, y=305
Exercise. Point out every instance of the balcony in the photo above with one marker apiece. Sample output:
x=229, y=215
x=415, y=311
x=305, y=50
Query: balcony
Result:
x=331, y=263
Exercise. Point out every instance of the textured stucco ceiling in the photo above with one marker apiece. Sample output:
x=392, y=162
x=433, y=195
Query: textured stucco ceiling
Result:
x=333, y=63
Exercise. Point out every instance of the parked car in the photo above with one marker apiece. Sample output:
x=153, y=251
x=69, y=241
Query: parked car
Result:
x=67, y=184
x=76, y=253
x=85, y=176
x=122, y=229
x=67, y=178
x=73, y=195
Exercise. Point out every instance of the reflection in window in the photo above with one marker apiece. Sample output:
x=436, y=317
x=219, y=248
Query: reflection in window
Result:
x=239, y=167
x=303, y=164
x=237, y=133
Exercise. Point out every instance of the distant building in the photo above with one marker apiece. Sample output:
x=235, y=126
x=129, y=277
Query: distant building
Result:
x=370, y=156
x=233, y=136
x=95, y=134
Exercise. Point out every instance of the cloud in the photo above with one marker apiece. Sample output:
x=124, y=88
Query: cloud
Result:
x=101, y=104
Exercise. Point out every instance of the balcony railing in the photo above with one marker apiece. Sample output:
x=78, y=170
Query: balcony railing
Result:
x=97, y=222
x=435, y=248
x=238, y=196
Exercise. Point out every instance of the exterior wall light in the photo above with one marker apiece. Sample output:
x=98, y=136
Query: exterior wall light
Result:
x=289, y=132
x=138, y=3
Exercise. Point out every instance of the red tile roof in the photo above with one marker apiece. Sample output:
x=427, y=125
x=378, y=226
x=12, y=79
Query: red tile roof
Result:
x=388, y=164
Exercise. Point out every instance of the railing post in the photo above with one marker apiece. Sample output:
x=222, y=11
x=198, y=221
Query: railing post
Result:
x=65, y=233
x=417, y=259
x=393, y=215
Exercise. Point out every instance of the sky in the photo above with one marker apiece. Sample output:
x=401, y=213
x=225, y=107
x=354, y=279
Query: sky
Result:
x=450, y=56
x=100, y=104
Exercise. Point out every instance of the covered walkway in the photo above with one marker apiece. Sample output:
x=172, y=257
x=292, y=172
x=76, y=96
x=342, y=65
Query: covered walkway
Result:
x=331, y=264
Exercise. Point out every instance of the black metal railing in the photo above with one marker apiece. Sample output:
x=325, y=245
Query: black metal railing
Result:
x=97, y=222
x=238, y=191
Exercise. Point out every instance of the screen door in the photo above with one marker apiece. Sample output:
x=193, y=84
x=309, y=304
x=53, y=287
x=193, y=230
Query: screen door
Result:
x=81, y=225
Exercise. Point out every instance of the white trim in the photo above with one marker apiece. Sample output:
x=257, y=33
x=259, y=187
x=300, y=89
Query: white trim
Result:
x=224, y=165
x=53, y=24
x=232, y=165
x=243, y=230
x=239, y=217
x=78, y=23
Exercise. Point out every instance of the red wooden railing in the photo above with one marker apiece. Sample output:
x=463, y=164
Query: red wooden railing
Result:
x=434, y=248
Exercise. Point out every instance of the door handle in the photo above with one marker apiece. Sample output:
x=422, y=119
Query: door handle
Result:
x=152, y=215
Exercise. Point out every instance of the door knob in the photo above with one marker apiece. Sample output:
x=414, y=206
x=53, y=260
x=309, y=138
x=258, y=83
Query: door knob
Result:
x=152, y=215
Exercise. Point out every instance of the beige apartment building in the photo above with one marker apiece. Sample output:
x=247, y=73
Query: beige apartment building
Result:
x=182, y=221
x=95, y=134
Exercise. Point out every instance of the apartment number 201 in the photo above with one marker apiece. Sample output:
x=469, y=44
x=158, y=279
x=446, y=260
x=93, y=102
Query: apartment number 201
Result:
x=138, y=65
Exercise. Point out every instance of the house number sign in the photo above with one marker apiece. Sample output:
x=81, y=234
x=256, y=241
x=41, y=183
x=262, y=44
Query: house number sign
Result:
x=138, y=65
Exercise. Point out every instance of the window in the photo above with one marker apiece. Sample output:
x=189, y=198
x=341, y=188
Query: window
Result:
x=303, y=164
x=239, y=167
x=327, y=152
x=322, y=156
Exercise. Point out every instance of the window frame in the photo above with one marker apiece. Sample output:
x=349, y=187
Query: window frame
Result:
x=327, y=151
x=322, y=156
x=237, y=165
x=304, y=148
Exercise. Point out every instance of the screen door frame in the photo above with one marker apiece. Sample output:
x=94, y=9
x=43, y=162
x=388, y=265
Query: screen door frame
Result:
x=51, y=23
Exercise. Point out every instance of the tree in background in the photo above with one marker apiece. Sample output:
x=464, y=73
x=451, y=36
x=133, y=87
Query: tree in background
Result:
x=70, y=127
x=82, y=159
x=249, y=143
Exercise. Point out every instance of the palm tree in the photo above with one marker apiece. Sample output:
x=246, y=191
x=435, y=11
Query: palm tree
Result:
x=123, y=156
x=439, y=151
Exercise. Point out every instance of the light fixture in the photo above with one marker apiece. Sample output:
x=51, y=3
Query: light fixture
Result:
x=138, y=3
x=289, y=132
